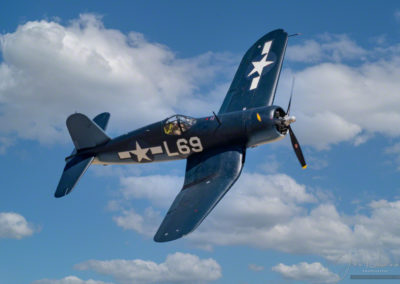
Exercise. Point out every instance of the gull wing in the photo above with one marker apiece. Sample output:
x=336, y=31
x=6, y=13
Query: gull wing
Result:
x=255, y=81
x=209, y=175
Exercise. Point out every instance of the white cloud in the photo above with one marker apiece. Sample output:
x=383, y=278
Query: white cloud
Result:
x=309, y=51
x=157, y=188
x=253, y=191
x=145, y=224
x=271, y=165
x=275, y=212
x=310, y=272
x=88, y=68
x=335, y=102
x=177, y=268
x=280, y=192
x=329, y=127
x=5, y=142
x=14, y=226
x=256, y=267
x=329, y=47
x=321, y=231
x=69, y=280
x=394, y=149
x=347, y=93
x=394, y=152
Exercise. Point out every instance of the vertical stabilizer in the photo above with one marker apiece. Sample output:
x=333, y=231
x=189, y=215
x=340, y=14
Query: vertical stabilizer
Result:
x=85, y=133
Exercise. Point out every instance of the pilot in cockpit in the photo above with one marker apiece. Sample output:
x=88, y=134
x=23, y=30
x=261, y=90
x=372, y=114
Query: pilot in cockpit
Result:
x=172, y=128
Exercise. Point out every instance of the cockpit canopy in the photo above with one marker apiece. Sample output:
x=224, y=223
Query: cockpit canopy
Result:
x=178, y=124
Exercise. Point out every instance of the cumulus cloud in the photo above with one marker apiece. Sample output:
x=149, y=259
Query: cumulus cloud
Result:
x=275, y=212
x=327, y=128
x=310, y=272
x=160, y=190
x=329, y=47
x=69, y=280
x=346, y=93
x=336, y=103
x=177, y=268
x=145, y=224
x=88, y=68
x=14, y=226
x=252, y=193
x=394, y=152
x=320, y=231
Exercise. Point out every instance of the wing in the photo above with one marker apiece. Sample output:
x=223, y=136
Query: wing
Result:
x=208, y=177
x=255, y=81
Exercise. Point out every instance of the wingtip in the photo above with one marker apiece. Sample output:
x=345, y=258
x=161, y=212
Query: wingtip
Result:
x=157, y=239
x=162, y=237
x=60, y=192
x=58, y=195
x=304, y=167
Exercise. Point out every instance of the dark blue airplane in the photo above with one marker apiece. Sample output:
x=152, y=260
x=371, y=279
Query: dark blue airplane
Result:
x=214, y=146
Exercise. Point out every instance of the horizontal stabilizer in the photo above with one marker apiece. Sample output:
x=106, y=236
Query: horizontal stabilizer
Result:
x=85, y=133
x=73, y=170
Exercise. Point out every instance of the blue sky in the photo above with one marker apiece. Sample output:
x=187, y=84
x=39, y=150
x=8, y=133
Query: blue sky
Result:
x=145, y=60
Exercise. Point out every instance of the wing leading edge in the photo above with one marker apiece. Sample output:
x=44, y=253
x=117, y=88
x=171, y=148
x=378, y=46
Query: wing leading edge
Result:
x=255, y=81
x=208, y=178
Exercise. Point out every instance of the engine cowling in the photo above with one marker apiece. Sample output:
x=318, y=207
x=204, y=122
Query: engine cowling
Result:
x=263, y=125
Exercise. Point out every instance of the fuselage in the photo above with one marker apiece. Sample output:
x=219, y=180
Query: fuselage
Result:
x=178, y=137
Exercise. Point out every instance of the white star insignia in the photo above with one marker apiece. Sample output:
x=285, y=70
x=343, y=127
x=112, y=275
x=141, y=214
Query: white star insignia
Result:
x=140, y=153
x=259, y=65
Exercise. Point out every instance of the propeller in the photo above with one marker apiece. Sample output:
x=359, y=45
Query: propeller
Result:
x=287, y=120
x=291, y=96
x=297, y=149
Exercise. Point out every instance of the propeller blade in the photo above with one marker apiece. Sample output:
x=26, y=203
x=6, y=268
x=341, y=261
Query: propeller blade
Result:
x=291, y=95
x=297, y=149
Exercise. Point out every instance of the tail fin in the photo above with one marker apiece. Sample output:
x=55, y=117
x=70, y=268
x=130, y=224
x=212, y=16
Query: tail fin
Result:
x=81, y=128
x=85, y=133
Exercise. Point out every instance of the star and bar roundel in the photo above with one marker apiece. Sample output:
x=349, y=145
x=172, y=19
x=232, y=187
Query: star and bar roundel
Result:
x=146, y=154
x=141, y=154
x=265, y=59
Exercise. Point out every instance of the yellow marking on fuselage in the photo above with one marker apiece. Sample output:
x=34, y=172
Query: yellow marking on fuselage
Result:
x=258, y=117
